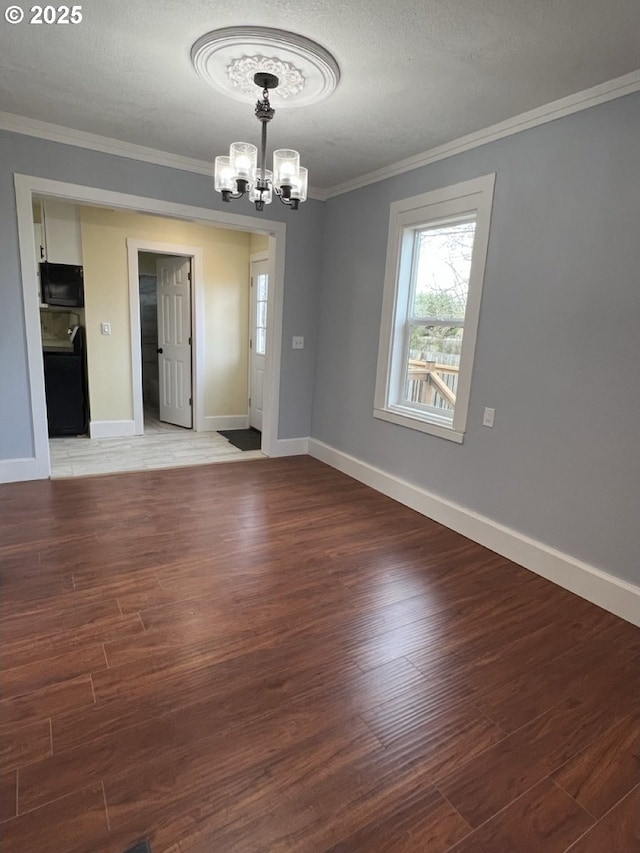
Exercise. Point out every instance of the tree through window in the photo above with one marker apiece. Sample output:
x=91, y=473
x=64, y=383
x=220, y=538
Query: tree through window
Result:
x=433, y=285
x=438, y=303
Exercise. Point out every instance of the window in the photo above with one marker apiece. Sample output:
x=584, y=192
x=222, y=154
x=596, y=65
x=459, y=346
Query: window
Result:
x=262, y=296
x=433, y=284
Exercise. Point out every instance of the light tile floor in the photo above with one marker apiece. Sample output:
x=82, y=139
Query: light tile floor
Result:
x=161, y=446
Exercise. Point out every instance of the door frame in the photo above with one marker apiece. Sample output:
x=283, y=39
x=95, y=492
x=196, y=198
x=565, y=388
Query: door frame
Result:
x=254, y=257
x=196, y=256
x=26, y=186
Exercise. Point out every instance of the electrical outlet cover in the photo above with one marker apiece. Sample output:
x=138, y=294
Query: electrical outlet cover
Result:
x=488, y=417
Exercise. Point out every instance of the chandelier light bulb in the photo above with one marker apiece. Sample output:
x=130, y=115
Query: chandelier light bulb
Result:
x=244, y=160
x=286, y=166
x=223, y=175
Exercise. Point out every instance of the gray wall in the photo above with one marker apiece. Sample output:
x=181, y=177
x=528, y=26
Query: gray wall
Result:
x=31, y=156
x=558, y=351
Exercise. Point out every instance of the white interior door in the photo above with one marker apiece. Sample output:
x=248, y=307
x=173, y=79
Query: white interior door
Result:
x=258, y=343
x=174, y=340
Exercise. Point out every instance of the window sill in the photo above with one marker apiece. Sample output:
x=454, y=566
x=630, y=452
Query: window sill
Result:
x=414, y=422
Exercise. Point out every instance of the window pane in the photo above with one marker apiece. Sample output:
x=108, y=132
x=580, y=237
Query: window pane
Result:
x=433, y=365
x=442, y=268
x=262, y=287
x=262, y=314
x=261, y=341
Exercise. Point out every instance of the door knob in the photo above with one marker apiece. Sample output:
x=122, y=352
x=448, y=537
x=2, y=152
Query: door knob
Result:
x=159, y=349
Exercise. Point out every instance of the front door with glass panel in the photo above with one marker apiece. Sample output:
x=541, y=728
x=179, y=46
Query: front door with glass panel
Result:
x=258, y=344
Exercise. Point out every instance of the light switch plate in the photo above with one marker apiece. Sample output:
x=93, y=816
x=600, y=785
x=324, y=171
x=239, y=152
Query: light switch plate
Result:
x=105, y=328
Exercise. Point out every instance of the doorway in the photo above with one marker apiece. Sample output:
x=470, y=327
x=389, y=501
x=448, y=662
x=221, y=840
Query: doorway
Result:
x=166, y=339
x=28, y=186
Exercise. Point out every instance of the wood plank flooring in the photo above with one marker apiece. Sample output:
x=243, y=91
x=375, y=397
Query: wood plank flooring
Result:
x=273, y=657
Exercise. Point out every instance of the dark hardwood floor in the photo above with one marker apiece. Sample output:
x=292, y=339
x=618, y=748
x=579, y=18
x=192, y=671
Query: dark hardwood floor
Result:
x=269, y=656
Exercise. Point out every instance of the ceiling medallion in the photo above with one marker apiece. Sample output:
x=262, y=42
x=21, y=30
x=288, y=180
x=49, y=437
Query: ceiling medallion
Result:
x=229, y=58
x=241, y=73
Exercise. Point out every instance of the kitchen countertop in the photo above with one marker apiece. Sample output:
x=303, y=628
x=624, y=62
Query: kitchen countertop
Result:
x=57, y=346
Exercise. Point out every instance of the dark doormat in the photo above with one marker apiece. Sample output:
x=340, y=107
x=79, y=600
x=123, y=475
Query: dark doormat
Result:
x=243, y=439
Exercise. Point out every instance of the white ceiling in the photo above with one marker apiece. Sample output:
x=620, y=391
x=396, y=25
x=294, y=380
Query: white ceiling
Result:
x=415, y=73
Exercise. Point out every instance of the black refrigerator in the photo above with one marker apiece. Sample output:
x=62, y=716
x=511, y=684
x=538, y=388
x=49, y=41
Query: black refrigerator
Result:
x=65, y=387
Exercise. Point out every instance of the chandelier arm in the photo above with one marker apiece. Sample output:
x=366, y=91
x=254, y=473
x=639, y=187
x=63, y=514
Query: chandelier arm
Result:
x=285, y=198
x=290, y=202
x=227, y=195
x=283, y=193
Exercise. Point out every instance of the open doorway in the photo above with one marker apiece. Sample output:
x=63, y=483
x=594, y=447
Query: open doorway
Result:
x=166, y=340
x=109, y=350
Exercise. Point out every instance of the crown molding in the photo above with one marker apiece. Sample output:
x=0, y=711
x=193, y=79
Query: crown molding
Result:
x=318, y=193
x=608, y=91
x=107, y=145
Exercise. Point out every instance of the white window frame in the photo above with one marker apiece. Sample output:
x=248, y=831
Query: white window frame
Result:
x=473, y=199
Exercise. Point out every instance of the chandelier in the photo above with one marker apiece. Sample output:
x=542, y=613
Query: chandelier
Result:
x=239, y=173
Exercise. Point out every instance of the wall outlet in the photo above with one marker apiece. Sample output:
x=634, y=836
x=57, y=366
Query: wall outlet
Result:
x=297, y=343
x=105, y=328
x=489, y=417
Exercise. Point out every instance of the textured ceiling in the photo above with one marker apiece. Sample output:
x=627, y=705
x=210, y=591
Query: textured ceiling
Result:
x=415, y=73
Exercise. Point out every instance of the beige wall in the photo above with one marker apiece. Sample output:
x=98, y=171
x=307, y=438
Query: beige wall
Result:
x=147, y=263
x=258, y=243
x=226, y=306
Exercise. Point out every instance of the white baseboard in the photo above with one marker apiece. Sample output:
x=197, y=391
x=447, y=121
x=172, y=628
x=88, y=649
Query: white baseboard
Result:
x=213, y=423
x=17, y=470
x=607, y=591
x=112, y=429
x=289, y=447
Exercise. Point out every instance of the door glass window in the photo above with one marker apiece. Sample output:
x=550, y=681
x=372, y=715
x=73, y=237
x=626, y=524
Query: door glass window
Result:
x=262, y=293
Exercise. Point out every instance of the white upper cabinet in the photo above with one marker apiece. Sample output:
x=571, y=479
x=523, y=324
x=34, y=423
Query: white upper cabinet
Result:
x=61, y=238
